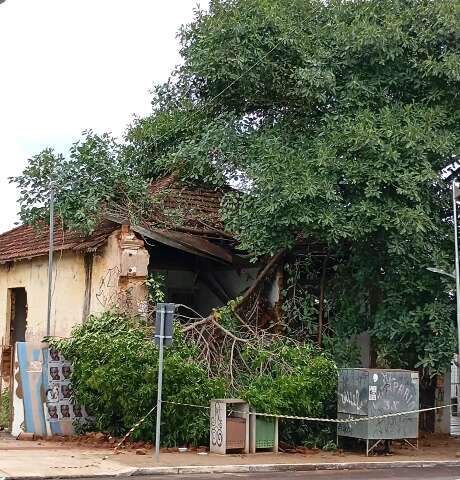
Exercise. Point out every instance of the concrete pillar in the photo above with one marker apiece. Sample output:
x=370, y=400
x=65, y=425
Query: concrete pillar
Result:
x=363, y=341
x=442, y=397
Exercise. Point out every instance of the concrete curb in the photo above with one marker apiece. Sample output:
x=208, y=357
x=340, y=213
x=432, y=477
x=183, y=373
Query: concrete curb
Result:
x=276, y=467
x=291, y=467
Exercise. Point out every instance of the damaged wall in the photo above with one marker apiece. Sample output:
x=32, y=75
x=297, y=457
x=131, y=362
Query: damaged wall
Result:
x=119, y=271
x=82, y=284
x=68, y=294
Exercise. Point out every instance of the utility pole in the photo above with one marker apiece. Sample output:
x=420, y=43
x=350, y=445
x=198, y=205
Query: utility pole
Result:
x=456, y=276
x=50, y=260
x=455, y=197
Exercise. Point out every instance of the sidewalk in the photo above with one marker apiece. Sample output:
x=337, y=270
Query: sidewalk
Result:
x=40, y=459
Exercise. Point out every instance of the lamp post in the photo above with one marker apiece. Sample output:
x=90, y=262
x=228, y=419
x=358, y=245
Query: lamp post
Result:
x=455, y=197
x=456, y=274
x=50, y=261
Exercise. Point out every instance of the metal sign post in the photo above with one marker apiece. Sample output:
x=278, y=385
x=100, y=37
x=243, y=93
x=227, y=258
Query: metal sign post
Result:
x=163, y=336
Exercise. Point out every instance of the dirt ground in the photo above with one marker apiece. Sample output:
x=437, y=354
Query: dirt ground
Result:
x=431, y=447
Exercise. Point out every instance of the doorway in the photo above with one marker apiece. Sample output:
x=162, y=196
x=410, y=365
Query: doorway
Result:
x=18, y=315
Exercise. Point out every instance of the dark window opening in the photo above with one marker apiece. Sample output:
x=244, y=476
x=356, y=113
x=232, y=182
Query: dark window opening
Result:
x=18, y=317
x=196, y=281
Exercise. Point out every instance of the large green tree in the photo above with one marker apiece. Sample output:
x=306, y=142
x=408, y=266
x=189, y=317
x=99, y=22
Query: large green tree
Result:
x=334, y=119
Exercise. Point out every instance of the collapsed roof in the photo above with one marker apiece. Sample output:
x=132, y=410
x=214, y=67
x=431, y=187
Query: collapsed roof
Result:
x=183, y=217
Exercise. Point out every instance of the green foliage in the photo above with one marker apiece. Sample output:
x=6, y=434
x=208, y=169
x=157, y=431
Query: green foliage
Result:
x=344, y=351
x=432, y=338
x=291, y=379
x=335, y=119
x=156, y=288
x=330, y=446
x=95, y=174
x=408, y=310
x=115, y=377
x=115, y=372
x=300, y=307
x=225, y=315
x=4, y=409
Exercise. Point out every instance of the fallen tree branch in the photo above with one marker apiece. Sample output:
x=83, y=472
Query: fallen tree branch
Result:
x=193, y=325
x=260, y=277
x=231, y=363
x=228, y=332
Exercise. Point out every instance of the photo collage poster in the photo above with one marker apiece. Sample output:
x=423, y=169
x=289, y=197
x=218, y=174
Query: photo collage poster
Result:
x=60, y=402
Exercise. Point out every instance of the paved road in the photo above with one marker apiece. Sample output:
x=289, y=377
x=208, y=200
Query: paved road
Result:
x=390, y=474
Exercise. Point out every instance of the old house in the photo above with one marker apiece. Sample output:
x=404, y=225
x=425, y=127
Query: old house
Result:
x=184, y=241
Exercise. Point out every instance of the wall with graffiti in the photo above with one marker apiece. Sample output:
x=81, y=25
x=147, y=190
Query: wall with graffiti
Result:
x=43, y=401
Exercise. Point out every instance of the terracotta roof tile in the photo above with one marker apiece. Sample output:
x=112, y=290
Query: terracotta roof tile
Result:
x=27, y=242
x=198, y=208
x=180, y=208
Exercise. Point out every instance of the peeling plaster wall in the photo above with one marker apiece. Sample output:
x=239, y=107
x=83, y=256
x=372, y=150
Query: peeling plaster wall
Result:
x=119, y=271
x=70, y=286
x=69, y=277
x=105, y=274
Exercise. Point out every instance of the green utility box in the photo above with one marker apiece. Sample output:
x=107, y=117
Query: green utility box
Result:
x=263, y=433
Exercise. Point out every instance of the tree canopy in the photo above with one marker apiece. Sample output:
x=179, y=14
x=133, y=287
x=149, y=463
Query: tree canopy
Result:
x=333, y=120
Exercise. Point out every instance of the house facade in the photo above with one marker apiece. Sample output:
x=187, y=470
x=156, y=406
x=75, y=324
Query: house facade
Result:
x=194, y=256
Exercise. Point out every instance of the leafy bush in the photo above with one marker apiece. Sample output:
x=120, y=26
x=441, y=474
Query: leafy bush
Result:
x=289, y=378
x=4, y=409
x=345, y=351
x=115, y=368
x=115, y=377
x=156, y=288
x=292, y=379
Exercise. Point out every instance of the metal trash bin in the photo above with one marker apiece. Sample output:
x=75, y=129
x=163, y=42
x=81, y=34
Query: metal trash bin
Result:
x=366, y=393
x=229, y=425
x=263, y=433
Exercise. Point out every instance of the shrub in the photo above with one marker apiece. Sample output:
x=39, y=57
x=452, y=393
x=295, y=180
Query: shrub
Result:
x=115, y=368
x=4, y=409
x=292, y=379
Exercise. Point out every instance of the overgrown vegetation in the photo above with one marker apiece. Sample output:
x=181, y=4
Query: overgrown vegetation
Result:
x=335, y=121
x=293, y=379
x=156, y=288
x=115, y=373
x=4, y=410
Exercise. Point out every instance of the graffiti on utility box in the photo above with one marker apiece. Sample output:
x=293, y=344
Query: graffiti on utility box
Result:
x=371, y=393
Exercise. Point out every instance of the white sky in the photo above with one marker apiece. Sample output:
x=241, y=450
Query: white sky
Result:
x=70, y=65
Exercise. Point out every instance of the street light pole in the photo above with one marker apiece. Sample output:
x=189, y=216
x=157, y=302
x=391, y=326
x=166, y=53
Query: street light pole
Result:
x=50, y=262
x=455, y=196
